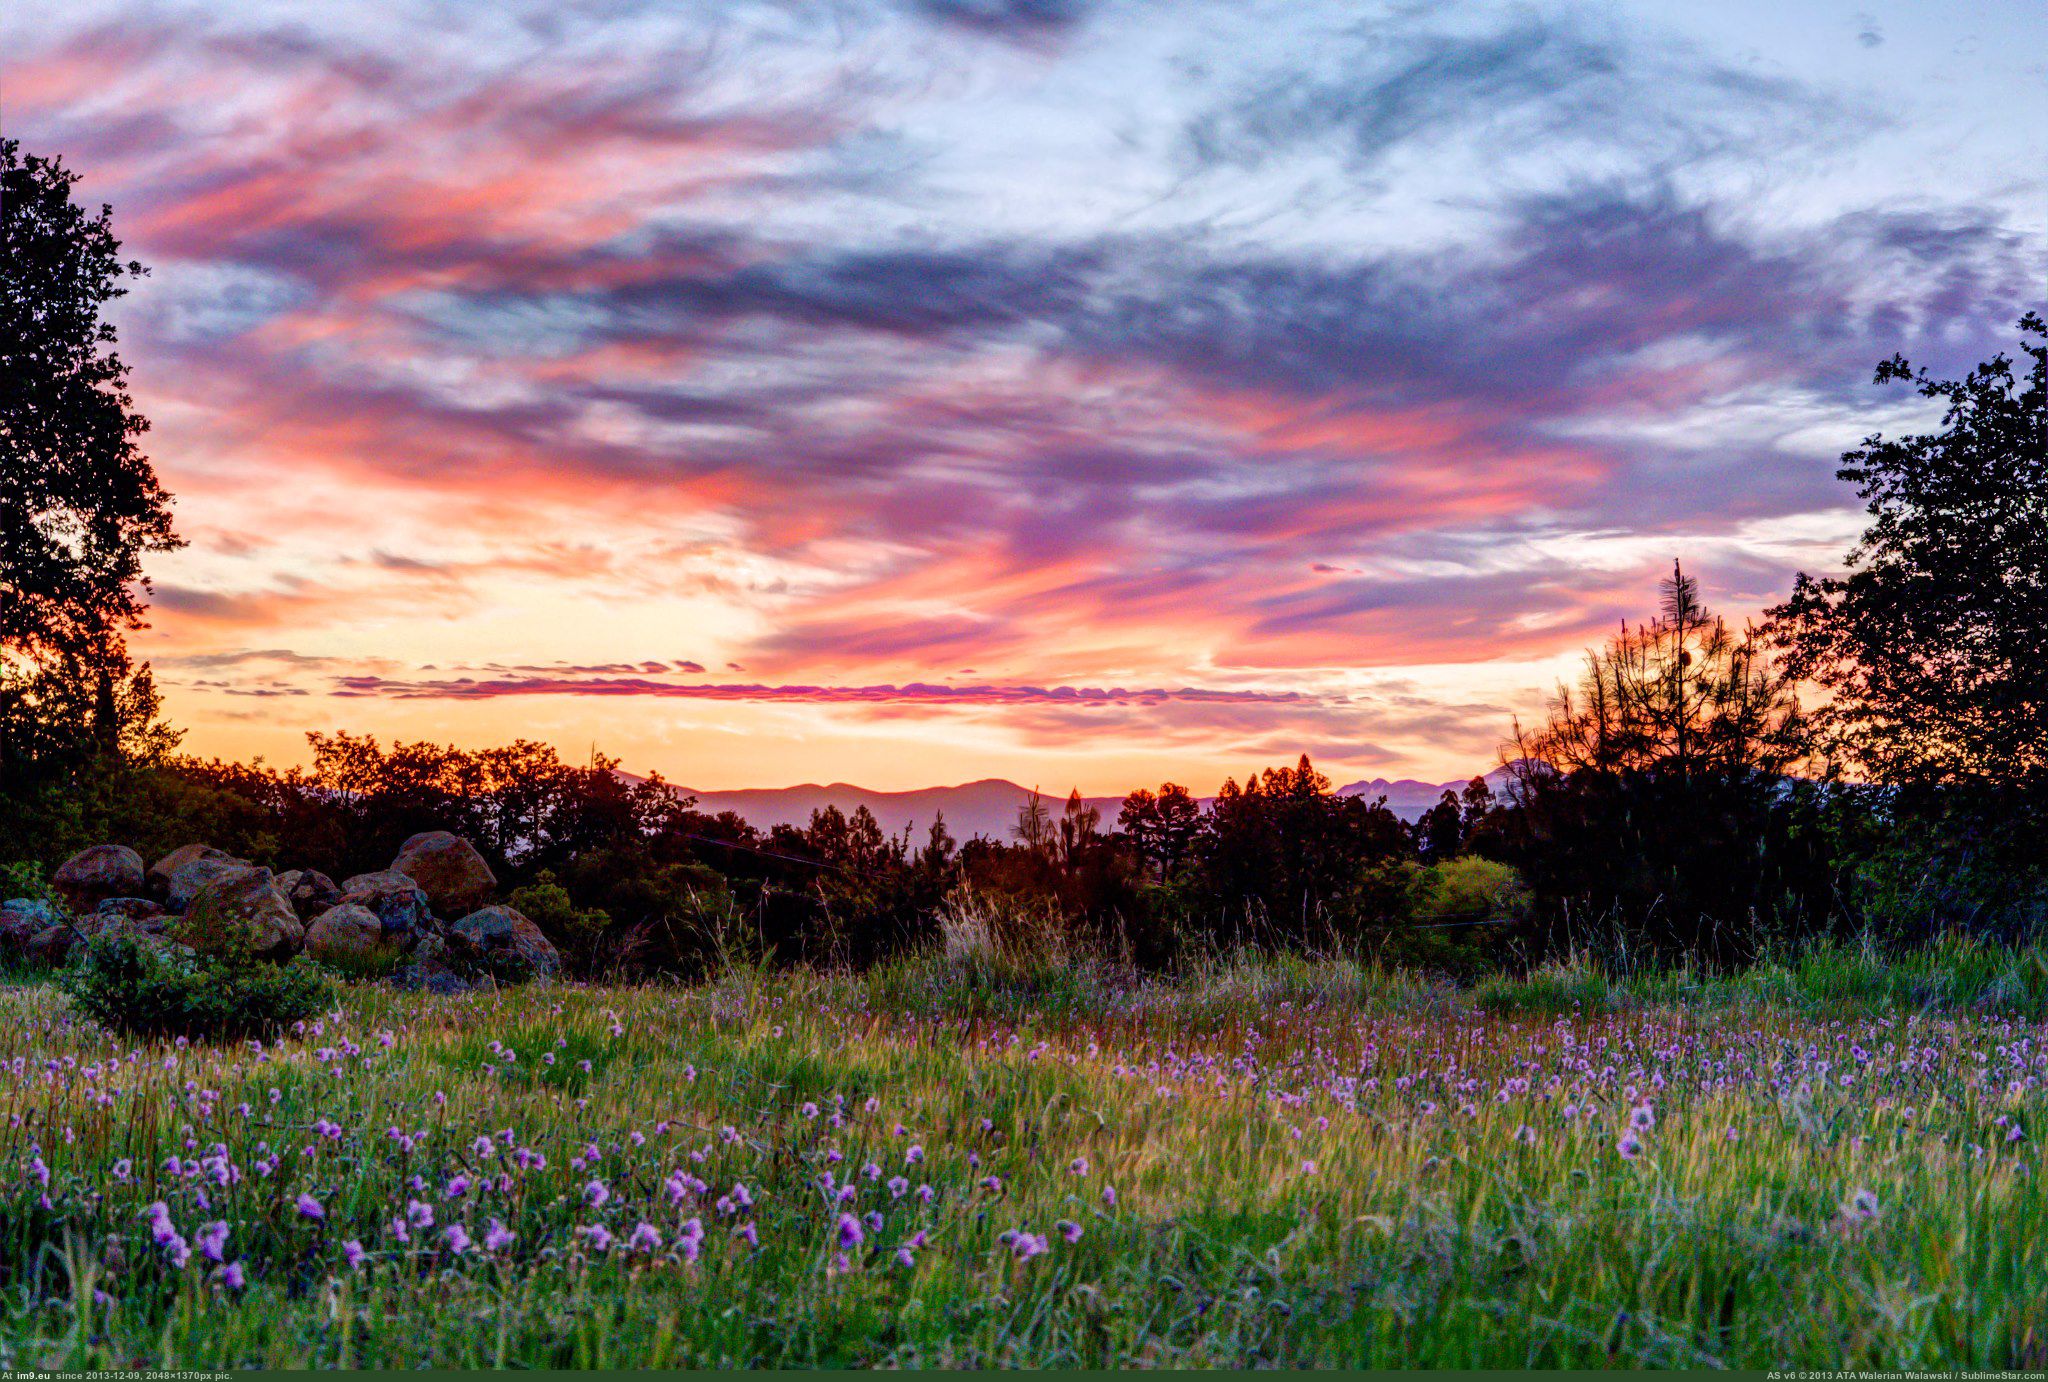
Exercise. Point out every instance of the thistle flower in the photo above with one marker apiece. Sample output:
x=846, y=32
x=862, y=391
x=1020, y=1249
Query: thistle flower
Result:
x=232, y=1276
x=310, y=1208
x=1069, y=1230
x=850, y=1233
x=213, y=1239
x=645, y=1238
x=1629, y=1147
x=352, y=1252
x=595, y=1194
x=457, y=1239
x=1864, y=1205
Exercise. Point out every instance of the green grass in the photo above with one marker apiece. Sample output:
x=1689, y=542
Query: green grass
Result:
x=1313, y=1164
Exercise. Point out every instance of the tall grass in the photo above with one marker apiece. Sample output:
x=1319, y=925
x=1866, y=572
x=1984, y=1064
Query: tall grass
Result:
x=1264, y=1162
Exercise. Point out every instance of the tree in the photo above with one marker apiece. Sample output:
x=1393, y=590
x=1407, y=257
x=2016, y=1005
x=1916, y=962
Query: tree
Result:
x=1654, y=796
x=1933, y=643
x=1163, y=827
x=79, y=503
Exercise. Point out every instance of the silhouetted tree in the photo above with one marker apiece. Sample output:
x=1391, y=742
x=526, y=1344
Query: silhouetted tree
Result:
x=79, y=502
x=1932, y=645
x=1162, y=826
x=1653, y=796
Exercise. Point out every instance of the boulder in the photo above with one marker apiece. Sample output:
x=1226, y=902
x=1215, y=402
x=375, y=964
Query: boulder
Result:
x=115, y=924
x=503, y=941
x=32, y=909
x=20, y=920
x=132, y=916
x=448, y=869
x=52, y=946
x=352, y=936
x=398, y=901
x=243, y=902
x=310, y=891
x=158, y=878
x=426, y=969
x=92, y=875
x=191, y=879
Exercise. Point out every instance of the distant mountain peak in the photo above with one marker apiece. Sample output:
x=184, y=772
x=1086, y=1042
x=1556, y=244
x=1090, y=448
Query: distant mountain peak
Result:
x=987, y=806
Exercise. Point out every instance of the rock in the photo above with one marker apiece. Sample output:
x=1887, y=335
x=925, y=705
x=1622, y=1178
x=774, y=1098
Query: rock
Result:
x=126, y=916
x=33, y=909
x=191, y=878
x=52, y=946
x=245, y=902
x=398, y=901
x=159, y=877
x=92, y=875
x=20, y=920
x=426, y=969
x=448, y=869
x=310, y=892
x=351, y=936
x=150, y=928
x=503, y=941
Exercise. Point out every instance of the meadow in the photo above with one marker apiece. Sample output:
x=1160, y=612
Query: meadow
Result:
x=962, y=1162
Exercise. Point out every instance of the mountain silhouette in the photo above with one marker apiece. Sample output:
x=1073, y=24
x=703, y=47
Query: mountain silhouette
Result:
x=987, y=807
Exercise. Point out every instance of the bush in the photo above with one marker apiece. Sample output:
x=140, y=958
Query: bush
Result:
x=152, y=989
x=576, y=930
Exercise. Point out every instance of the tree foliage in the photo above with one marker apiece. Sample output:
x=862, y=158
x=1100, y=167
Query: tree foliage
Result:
x=1933, y=643
x=80, y=503
x=1657, y=796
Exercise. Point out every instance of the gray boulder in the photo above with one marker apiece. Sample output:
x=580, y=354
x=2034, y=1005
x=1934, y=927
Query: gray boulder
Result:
x=351, y=936
x=310, y=891
x=503, y=941
x=398, y=901
x=50, y=947
x=158, y=879
x=126, y=916
x=21, y=920
x=426, y=969
x=243, y=903
x=92, y=875
x=138, y=908
x=448, y=869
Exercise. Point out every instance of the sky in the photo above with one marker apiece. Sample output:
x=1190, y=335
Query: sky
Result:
x=1081, y=392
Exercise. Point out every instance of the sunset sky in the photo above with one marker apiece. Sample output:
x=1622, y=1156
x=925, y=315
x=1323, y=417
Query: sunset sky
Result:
x=1083, y=393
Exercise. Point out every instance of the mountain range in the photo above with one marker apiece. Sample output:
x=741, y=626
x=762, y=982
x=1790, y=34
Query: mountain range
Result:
x=988, y=807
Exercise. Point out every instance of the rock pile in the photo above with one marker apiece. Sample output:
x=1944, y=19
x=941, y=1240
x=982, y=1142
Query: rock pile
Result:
x=388, y=922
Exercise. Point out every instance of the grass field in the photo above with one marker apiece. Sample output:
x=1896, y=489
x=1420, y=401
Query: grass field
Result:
x=980, y=1165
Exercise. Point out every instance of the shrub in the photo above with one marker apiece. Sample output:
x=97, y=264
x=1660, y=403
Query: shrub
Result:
x=152, y=989
x=24, y=878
